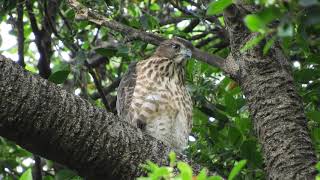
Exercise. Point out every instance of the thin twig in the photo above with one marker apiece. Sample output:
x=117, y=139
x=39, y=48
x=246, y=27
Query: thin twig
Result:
x=108, y=89
x=98, y=86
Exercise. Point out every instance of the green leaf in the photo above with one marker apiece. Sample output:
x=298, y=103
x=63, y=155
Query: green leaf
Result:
x=134, y=10
x=65, y=174
x=285, y=30
x=107, y=52
x=243, y=124
x=48, y=178
x=252, y=43
x=59, y=77
x=123, y=51
x=185, y=170
x=60, y=74
x=154, y=7
x=216, y=7
x=248, y=150
x=230, y=102
x=202, y=175
x=269, y=14
x=268, y=45
x=27, y=175
x=160, y=172
x=306, y=75
x=314, y=115
x=254, y=23
x=215, y=178
x=258, y=22
x=318, y=166
x=152, y=166
x=149, y=22
x=236, y=169
x=235, y=136
x=172, y=158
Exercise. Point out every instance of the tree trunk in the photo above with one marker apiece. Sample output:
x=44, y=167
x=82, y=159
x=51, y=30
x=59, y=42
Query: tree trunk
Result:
x=274, y=104
x=46, y=120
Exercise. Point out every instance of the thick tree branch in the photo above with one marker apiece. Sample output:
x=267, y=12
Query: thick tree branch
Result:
x=274, y=104
x=45, y=119
x=84, y=13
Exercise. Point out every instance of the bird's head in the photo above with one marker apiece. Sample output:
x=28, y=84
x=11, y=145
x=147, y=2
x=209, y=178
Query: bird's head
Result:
x=175, y=49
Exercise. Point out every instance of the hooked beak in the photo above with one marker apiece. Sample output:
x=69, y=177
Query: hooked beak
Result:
x=187, y=53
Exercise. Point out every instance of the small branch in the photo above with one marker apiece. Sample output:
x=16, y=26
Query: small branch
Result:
x=20, y=33
x=33, y=21
x=193, y=3
x=66, y=22
x=108, y=89
x=97, y=61
x=199, y=36
x=182, y=9
x=98, y=86
x=192, y=25
x=205, y=41
x=171, y=20
x=96, y=36
x=37, y=168
x=44, y=60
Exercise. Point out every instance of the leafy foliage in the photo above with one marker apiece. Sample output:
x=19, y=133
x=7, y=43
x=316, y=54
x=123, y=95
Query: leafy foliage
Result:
x=222, y=134
x=185, y=171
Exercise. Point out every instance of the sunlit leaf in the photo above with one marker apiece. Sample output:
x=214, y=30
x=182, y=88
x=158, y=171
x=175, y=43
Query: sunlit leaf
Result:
x=268, y=45
x=154, y=7
x=236, y=169
x=252, y=43
x=185, y=170
x=172, y=158
x=254, y=23
x=202, y=175
x=27, y=175
x=216, y=7
x=258, y=22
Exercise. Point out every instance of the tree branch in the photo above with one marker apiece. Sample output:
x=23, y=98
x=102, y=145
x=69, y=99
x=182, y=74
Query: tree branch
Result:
x=45, y=119
x=84, y=13
x=108, y=89
x=20, y=33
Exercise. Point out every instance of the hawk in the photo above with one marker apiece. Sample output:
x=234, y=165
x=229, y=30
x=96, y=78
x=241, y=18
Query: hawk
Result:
x=153, y=97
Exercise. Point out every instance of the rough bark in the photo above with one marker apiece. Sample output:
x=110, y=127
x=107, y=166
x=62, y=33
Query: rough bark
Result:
x=274, y=104
x=46, y=120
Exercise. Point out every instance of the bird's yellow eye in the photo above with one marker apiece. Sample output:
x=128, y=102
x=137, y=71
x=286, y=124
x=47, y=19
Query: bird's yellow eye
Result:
x=175, y=46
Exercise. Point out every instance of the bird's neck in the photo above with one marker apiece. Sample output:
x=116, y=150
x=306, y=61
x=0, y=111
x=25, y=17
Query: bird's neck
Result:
x=167, y=68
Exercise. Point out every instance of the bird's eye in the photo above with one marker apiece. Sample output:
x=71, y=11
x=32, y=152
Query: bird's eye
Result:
x=175, y=46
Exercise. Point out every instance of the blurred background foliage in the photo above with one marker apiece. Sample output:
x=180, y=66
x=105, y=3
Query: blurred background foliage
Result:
x=89, y=60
